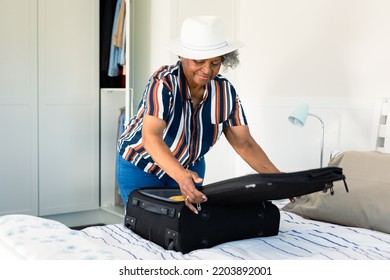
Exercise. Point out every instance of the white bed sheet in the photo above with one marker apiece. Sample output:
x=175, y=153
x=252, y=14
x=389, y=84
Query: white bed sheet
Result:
x=29, y=237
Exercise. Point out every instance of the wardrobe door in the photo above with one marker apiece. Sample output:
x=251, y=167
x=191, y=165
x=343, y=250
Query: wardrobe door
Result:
x=18, y=107
x=68, y=106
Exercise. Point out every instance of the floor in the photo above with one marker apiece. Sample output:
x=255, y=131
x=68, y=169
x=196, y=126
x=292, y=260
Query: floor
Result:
x=102, y=216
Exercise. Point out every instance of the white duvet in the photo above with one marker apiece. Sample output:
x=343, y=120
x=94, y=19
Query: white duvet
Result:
x=29, y=237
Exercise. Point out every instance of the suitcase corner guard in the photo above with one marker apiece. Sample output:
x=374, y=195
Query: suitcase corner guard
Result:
x=172, y=239
x=130, y=222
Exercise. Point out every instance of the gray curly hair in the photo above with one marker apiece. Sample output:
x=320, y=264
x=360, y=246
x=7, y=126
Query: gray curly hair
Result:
x=230, y=60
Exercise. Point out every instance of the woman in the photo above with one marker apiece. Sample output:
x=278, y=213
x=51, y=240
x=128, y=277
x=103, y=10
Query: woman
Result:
x=184, y=110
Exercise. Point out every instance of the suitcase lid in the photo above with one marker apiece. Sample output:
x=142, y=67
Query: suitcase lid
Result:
x=255, y=188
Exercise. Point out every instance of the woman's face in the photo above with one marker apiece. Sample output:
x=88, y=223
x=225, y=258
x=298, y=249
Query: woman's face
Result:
x=199, y=72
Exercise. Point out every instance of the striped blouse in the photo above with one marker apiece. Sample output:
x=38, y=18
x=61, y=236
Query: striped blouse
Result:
x=189, y=133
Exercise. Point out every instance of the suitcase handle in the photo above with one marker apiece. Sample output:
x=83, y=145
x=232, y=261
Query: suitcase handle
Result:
x=154, y=207
x=324, y=171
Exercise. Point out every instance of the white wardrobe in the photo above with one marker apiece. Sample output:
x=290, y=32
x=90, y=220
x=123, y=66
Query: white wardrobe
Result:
x=49, y=106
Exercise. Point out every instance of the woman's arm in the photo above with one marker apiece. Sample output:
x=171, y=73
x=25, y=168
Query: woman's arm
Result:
x=152, y=139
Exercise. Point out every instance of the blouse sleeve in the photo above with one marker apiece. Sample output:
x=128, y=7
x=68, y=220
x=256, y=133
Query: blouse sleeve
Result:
x=237, y=116
x=157, y=98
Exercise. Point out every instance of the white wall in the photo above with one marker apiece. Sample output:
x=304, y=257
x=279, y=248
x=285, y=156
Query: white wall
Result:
x=332, y=54
x=335, y=48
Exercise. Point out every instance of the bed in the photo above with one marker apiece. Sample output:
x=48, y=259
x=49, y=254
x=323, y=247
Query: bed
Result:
x=345, y=226
x=28, y=237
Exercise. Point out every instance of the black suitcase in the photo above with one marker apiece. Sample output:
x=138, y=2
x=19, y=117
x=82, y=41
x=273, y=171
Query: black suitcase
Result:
x=237, y=208
x=170, y=224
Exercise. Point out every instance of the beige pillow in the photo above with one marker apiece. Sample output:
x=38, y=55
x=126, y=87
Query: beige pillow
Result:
x=367, y=205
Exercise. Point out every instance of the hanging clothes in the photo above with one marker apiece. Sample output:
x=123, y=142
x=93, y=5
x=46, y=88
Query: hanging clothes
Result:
x=117, y=37
x=115, y=52
x=107, y=14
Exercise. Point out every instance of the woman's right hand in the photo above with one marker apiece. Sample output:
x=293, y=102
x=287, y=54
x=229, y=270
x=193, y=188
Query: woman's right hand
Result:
x=188, y=190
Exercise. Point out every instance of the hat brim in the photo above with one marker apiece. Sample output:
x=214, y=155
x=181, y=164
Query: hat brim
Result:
x=178, y=49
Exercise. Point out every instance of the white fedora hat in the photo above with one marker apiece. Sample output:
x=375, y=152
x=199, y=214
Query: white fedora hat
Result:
x=203, y=37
